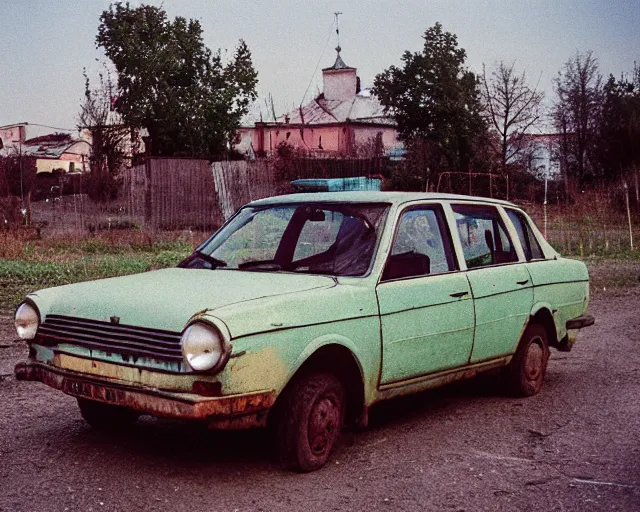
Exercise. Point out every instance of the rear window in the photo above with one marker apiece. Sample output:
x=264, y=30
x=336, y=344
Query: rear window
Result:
x=530, y=245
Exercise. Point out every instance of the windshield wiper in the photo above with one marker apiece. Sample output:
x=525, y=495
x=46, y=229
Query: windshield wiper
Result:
x=215, y=262
x=260, y=265
x=315, y=272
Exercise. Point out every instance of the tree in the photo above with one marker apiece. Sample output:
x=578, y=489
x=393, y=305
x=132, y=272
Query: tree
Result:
x=18, y=178
x=513, y=109
x=617, y=147
x=170, y=83
x=109, y=137
x=577, y=111
x=435, y=99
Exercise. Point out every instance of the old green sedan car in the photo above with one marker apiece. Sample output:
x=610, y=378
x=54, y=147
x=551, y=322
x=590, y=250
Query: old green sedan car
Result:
x=304, y=310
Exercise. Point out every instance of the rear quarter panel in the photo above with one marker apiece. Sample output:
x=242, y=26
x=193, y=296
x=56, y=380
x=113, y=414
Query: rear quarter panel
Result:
x=563, y=284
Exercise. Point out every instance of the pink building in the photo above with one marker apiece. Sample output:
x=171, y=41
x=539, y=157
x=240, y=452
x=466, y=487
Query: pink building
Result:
x=53, y=152
x=341, y=120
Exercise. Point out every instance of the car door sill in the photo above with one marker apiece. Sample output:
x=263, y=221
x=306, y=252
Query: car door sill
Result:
x=432, y=380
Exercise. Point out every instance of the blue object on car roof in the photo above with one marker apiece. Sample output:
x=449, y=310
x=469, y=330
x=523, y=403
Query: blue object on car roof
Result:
x=338, y=184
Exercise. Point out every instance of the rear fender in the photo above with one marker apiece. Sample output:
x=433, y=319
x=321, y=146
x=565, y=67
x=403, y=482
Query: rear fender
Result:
x=544, y=313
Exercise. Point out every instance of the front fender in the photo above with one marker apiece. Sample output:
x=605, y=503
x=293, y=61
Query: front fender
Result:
x=322, y=341
x=270, y=359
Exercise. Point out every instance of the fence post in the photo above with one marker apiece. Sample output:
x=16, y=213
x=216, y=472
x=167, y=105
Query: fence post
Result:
x=147, y=191
x=544, y=206
x=626, y=197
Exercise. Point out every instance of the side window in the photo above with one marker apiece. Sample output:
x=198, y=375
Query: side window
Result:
x=484, y=238
x=530, y=245
x=422, y=245
x=318, y=234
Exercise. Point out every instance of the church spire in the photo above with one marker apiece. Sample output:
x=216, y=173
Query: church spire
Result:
x=339, y=63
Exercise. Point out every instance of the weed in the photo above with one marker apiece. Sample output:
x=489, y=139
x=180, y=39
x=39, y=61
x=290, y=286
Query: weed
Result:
x=28, y=265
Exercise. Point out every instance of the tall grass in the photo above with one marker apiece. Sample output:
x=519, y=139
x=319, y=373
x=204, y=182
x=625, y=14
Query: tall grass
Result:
x=594, y=225
x=28, y=263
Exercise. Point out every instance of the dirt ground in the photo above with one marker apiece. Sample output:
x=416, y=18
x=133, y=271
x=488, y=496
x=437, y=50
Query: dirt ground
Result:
x=575, y=446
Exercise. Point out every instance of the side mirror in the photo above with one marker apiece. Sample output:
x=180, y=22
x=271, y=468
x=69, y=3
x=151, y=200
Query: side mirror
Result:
x=407, y=264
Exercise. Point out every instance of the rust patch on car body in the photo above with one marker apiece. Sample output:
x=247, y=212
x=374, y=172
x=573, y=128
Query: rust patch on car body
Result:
x=222, y=412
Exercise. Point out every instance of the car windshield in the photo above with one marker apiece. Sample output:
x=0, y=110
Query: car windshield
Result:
x=310, y=238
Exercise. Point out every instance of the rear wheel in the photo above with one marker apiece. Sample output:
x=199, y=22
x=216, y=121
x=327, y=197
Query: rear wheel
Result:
x=528, y=367
x=106, y=416
x=309, y=420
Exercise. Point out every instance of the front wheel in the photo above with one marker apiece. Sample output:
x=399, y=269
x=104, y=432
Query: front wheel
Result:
x=309, y=421
x=528, y=367
x=106, y=416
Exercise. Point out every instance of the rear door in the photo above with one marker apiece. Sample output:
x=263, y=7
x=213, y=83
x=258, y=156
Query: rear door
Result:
x=563, y=286
x=500, y=283
x=425, y=301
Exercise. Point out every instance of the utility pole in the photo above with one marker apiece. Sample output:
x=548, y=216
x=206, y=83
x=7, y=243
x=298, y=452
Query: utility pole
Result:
x=23, y=210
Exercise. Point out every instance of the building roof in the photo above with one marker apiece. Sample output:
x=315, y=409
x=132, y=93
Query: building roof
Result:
x=50, y=146
x=362, y=108
x=338, y=64
x=371, y=197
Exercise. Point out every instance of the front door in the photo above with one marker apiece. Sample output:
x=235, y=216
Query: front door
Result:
x=426, y=311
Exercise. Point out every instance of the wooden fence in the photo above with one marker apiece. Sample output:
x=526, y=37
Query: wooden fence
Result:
x=238, y=182
x=182, y=193
x=187, y=194
x=172, y=193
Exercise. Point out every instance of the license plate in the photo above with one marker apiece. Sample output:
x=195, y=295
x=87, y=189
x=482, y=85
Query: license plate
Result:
x=87, y=390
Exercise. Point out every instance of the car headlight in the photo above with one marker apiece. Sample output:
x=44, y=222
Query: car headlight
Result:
x=26, y=321
x=202, y=346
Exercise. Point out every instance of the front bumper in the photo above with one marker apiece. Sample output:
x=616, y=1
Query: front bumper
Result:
x=225, y=412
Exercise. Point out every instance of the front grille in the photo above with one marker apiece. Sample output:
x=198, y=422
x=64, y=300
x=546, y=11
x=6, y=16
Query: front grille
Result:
x=126, y=340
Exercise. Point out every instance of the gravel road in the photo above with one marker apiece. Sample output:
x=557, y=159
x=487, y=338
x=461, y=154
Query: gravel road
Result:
x=575, y=446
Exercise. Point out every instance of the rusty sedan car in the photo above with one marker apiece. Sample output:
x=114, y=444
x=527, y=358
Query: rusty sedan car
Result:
x=304, y=310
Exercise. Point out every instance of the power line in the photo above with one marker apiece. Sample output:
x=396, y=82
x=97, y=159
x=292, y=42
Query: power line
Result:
x=52, y=127
x=318, y=63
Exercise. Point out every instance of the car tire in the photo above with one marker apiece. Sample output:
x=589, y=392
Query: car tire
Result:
x=106, y=416
x=309, y=420
x=525, y=374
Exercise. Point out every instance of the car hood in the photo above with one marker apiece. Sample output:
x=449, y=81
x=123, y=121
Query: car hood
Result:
x=167, y=299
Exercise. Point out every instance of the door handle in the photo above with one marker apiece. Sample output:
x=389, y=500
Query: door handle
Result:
x=459, y=294
x=523, y=282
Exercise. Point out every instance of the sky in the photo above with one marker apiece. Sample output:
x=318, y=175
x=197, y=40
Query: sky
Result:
x=45, y=44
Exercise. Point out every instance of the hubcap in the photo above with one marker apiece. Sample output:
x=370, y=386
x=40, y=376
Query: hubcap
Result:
x=533, y=364
x=323, y=424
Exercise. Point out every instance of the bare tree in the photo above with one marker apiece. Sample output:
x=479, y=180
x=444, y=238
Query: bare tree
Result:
x=110, y=137
x=513, y=108
x=577, y=112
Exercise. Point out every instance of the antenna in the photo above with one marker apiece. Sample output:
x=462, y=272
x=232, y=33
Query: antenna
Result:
x=337, y=14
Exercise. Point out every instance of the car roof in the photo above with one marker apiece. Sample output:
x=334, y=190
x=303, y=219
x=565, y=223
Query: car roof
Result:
x=394, y=198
